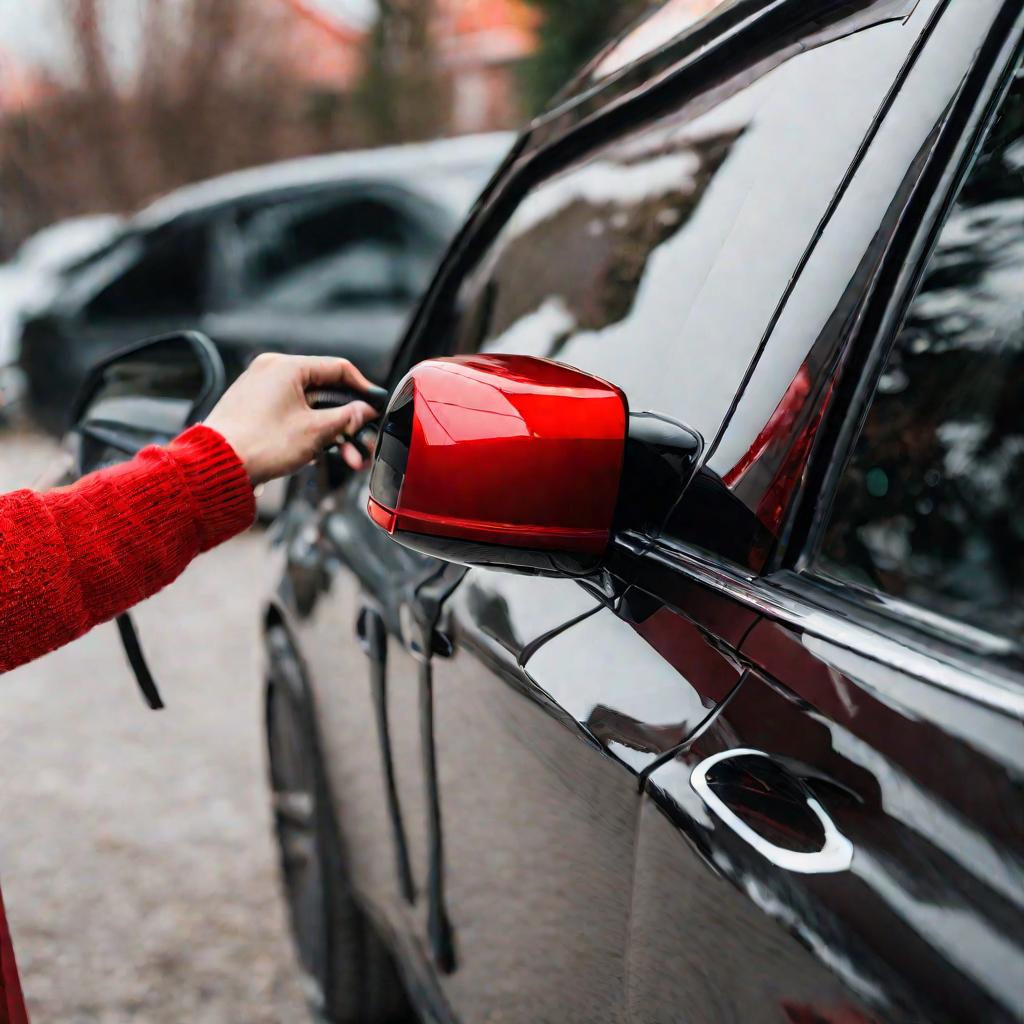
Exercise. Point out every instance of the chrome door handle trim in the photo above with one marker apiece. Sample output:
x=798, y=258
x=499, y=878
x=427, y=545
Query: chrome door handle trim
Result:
x=835, y=855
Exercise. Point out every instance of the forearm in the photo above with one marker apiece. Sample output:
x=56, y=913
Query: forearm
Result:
x=80, y=555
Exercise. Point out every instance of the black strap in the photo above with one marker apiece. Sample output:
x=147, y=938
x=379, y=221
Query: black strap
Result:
x=137, y=660
x=439, y=927
x=426, y=601
x=373, y=637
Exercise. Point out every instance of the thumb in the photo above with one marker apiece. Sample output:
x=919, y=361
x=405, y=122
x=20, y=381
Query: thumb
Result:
x=346, y=419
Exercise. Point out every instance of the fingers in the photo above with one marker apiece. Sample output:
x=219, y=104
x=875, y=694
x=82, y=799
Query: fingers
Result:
x=324, y=371
x=346, y=419
x=352, y=456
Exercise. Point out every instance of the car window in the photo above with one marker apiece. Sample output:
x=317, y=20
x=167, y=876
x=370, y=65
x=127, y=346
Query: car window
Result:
x=322, y=254
x=930, y=509
x=656, y=257
x=565, y=277
x=165, y=280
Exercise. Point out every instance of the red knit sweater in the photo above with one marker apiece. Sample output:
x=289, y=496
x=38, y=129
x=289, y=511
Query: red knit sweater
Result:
x=80, y=555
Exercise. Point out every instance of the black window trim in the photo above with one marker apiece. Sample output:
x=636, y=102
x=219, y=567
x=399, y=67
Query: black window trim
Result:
x=803, y=605
x=554, y=140
x=899, y=279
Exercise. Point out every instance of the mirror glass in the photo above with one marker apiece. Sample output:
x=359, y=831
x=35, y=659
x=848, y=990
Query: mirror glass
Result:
x=146, y=395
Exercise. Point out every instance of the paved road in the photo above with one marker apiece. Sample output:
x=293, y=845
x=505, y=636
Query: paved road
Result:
x=135, y=848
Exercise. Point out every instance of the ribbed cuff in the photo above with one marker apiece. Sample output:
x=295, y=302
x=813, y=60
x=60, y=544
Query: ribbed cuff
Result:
x=217, y=482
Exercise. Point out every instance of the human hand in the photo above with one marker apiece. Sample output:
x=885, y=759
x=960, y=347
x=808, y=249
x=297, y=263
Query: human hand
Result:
x=265, y=417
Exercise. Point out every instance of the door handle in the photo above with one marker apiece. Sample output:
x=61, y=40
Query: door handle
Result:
x=752, y=782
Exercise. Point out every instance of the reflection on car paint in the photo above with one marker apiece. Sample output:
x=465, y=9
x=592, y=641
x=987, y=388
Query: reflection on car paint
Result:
x=639, y=691
x=586, y=880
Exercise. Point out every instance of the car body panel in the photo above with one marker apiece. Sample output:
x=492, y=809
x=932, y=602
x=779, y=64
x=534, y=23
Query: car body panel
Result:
x=565, y=863
x=33, y=274
x=924, y=924
x=526, y=809
x=355, y=332
x=702, y=949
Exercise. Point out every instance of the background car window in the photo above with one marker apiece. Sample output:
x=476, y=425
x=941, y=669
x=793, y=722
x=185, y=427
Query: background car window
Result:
x=322, y=254
x=931, y=506
x=167, y=280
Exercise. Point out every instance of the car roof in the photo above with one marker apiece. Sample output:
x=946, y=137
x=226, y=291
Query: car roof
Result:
x=665, y=40
x=451, y=172
x=67, y=241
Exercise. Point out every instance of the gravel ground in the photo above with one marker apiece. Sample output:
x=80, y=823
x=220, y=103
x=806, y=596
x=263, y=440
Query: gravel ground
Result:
x=135, y=848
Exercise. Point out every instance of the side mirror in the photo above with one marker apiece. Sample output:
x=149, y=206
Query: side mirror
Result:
x=508, y=461
x=146, y=394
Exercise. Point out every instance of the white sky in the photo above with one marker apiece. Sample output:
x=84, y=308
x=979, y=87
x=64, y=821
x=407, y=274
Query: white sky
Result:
x=29, y=29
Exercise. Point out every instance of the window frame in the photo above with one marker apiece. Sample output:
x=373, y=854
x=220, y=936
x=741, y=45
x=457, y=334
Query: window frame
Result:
x=987, y=674
x=899, y=282
x=419, y=215
x=577, y=124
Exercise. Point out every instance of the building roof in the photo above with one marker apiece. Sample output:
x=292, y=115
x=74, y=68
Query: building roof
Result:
x=326, y=49
x=20, y=85
x=321, y=49
x=330, y=24
x=474, y=32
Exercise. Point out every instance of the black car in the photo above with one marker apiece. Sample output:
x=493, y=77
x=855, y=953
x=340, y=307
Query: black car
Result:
x=762, y=760
x=317, y=255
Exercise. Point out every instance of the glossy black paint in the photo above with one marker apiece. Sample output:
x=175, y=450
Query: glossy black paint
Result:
x=926, y=923
x=373, y=639
x=659, y=463
x=874, y=758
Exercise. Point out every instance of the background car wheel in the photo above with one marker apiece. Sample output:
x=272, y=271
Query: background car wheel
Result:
x=349, y=973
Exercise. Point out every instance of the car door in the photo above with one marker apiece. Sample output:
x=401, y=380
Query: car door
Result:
x=856, y=808
x=165, y=284
x=151, y=281
x=552, y=703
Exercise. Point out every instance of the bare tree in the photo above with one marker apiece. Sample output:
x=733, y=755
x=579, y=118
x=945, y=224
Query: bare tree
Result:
x=100, y=120
x=401, y=95
x=213, y=88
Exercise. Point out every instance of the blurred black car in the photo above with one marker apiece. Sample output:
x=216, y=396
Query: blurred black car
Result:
x=320, y=255
x=765, y=763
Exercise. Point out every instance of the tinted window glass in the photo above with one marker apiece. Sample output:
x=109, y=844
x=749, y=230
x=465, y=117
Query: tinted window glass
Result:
x=564, y=277
x=931, y=507
x=321, y=254
x=656, y=260
x=166, y=281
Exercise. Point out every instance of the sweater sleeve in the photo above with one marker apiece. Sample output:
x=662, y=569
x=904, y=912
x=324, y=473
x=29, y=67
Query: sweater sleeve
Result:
x=79, y=555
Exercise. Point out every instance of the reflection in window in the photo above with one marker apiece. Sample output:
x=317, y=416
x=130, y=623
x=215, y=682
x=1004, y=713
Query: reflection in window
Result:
x=931, y=507
x=662, y=26
x=570, y=265
x=657, y=259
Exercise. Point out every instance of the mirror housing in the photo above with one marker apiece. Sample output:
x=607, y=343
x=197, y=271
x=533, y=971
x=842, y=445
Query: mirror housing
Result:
x=146, y=394
x=506, y=461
